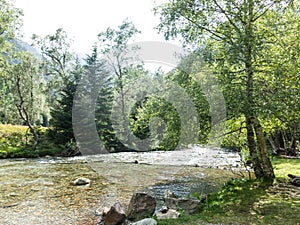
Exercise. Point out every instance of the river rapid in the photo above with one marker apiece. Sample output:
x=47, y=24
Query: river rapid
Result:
x=41, y=191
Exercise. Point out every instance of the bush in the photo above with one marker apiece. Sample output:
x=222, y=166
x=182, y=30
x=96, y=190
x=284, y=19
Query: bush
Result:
x=3, y=154
x=13, y=143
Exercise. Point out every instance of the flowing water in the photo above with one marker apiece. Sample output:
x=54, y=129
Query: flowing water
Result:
x=41, y=191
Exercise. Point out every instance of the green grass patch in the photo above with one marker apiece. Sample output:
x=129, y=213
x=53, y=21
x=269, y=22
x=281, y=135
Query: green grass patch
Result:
x=15, y=142
x=252, y=201
x=283, y=167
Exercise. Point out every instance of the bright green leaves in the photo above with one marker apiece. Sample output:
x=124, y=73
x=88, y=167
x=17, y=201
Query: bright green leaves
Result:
x=157, y=119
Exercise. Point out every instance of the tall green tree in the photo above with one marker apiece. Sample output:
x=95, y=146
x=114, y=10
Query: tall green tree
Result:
x=10, y=22
x=61, y=116
x=233, y=28
x=279, y=89
x=28, y=88
x=57, y=60
x=96, y=72
x=113, y=44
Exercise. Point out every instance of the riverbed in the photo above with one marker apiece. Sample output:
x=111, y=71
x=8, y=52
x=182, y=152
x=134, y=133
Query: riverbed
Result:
x=41, y=191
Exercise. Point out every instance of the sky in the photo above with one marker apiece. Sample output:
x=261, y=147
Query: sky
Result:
x=83, y=20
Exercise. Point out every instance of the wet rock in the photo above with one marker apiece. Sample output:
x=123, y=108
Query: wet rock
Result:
x=141, y=206
x=81, y=181
x=169, y=194
x=170, y=214
x=189, y=206
x=114, y=216
x=163, y=209
x=13, y=194
x=147, y=221
x=296, y=181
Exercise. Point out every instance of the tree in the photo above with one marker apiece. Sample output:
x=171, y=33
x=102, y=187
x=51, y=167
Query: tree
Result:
x=10, y=21
x=61, y=116
x=233, y=28
x=57, y=59
x=28, y=90
x=62, y=78
x=280, y=90
x=113, y=44
x=165, y=131
x=96, y=73
x=92, y=107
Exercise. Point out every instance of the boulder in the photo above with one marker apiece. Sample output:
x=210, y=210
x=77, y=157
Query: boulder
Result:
x=81, y=181
x=170, y=214
x=141, y=206
x=114, y=216
x=189, y=206
x=147, y=221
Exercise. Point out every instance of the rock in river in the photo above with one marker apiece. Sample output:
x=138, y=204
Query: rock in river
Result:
x=189, y=206
x=81, y=181
x=147, y=221
x=170, y=214
x=115, y=215
x=141, y=206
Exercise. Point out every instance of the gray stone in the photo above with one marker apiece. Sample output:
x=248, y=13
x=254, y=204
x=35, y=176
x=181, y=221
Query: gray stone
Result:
x=81, y=181
x=141, y=206
x=115, y=215
x=171, y=214
x=169, y=194
x=147, y=221
x=163, y=209
x=189, y=206
x=296, y=181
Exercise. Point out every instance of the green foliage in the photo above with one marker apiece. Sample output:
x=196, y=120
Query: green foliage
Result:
x=236, y=136
x=9, y=20
x=165, y=131
x=245, y=44
x=114, y=41
x=113, y=44
x=14, y=141
x=61, y=131
x=196, y=94
x=12, y=136
x=97, y=76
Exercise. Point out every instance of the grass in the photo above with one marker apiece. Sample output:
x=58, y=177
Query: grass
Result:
x=15, y=142
x=282, y=167
x=252, y=201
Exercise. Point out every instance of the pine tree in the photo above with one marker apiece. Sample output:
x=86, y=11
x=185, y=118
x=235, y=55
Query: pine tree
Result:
x=96, y=73
x=61, y=115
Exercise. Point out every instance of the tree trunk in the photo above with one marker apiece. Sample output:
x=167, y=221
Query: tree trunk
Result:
x=272, y=143
x=257, y=146
x=262, y=149
x=25, y=116
x=284, y=139
x=258, y=170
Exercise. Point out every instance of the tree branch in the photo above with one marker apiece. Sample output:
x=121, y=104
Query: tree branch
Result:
x=227, y=16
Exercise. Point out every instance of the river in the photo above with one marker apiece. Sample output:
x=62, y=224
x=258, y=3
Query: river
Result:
x=40, y=191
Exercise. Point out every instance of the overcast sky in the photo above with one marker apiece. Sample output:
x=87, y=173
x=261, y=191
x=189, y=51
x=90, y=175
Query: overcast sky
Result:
x=83, y=20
